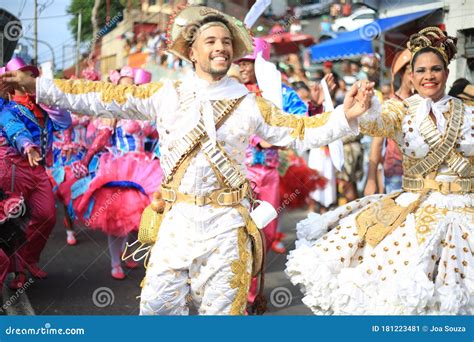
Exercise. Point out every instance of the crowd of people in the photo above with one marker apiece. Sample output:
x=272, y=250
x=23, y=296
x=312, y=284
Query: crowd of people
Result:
x=204, y=155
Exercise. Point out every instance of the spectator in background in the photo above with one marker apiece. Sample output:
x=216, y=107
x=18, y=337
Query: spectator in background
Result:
x=335, y=10
x=325, y=24
x=346, y=8
x=346, y=68
x=302, y=90
x=327, y=67
x=386, y=91
x=340, y=90
x=318, y=76
x=462, y=89
x=392, y=161
x=370, y=65
x=357, y=72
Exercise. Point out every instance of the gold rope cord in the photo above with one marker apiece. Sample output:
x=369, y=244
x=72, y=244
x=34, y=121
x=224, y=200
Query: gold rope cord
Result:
x=109, y=92
x=273, y=116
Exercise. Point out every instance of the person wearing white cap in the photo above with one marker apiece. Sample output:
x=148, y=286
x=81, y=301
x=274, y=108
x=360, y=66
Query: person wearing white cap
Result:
x=208, y=246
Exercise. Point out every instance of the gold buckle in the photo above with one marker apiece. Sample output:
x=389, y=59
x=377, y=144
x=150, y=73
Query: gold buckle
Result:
x=445, y=188
x=200, y=201
x=457, y=187
x=168, y=192
x=219, y=201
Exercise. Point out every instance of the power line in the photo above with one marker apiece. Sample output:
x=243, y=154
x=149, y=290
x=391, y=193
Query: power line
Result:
x=22, y=7
x=48, y=17
x=70, y=40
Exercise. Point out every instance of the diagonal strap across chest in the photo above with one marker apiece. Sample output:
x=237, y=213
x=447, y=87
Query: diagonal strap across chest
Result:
x=179, y=149
x=442, y=147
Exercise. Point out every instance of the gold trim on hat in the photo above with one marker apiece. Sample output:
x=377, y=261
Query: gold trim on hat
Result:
x=177, y=44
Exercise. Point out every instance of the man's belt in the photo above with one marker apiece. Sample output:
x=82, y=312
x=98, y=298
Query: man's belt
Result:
x=221, y=197
x=458, y=186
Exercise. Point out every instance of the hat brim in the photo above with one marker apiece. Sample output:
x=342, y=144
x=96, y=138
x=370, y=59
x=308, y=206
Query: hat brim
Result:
x=34, y=70
x=242, y=41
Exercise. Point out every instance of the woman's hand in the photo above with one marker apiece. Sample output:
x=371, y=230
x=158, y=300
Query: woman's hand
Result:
x=264, y=144
x=357, y=99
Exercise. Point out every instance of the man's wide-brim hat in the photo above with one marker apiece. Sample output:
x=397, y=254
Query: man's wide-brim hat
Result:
x=179, y=30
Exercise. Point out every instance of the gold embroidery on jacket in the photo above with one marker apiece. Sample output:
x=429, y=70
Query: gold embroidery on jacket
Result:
x=273, y=116
x=241, y=278
x=109, y=92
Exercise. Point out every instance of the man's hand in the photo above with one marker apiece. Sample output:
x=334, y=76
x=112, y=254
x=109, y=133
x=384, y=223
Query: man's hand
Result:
x=316, y=90
x=19, y=80
x=357, y=99
x=317, y=94
x=33, y=156
x=370, y=187
x=330, y=82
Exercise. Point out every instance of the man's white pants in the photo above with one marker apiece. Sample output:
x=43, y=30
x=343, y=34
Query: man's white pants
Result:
x=190, y=268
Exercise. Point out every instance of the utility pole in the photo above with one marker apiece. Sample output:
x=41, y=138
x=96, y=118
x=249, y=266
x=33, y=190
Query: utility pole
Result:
x=79, y=22
x=36, y=32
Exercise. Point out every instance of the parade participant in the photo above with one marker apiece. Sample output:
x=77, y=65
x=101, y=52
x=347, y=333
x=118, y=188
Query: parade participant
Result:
x=70, y=146
x=27, y=132
x=411, y=252
x=13, y=221
x=262, y=158
x=462, y=89
x=203, y=252
x=392, y=161
x=125, y=174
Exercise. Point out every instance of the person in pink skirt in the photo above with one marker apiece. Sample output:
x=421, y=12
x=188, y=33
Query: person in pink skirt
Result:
x=125, y=179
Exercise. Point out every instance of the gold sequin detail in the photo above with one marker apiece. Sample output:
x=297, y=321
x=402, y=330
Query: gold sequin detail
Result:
x=241, y=278
x=109, y=92
x=273, y=116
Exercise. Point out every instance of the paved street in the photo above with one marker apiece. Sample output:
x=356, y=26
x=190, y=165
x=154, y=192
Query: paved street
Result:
x=79, y=281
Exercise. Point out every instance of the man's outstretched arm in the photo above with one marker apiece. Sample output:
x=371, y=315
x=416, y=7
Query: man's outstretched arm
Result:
x=91, y=98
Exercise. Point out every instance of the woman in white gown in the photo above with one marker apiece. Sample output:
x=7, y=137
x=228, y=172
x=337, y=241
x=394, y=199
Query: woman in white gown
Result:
x=411, y=252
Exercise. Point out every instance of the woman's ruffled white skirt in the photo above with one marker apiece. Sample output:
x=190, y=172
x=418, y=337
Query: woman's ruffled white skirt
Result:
x=425, y=266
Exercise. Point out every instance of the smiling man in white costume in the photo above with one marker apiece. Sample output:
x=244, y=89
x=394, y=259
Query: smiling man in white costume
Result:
x=207, y=246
